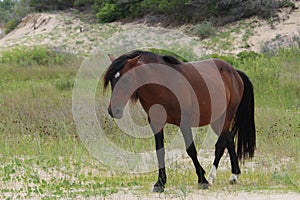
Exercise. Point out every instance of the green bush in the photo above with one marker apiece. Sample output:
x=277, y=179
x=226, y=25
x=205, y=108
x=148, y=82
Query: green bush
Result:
x=108, y=13
x=287, y=3
x=43, y=5
x=11, y=13
x=11, y=25
x=203, y=30
x=248, y=55
x=38, y=55
x=83, y=3
x=171, y=6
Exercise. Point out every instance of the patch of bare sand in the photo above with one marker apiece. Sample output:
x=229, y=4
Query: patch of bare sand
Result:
x=287, y=25
x=205, y=195
x=31, y=25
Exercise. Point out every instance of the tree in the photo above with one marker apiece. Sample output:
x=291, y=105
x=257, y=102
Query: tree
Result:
x=6, y=10
x=44, y=5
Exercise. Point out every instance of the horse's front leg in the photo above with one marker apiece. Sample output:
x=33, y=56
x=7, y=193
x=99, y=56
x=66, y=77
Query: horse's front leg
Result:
x=160, y=152
x=219, y=151
x=192, y=152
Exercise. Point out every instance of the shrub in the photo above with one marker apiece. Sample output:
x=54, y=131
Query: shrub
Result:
x=203, y=30
x=43, y=5
x=11, y=25
x=248, y=55
x=83, y=3
x=108, y=13
x=287, y=3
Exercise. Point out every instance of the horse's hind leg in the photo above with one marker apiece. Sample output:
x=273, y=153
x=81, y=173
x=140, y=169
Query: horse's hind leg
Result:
x=226, y=140
x=192, y=152
x=218, y=127
x=235, y=169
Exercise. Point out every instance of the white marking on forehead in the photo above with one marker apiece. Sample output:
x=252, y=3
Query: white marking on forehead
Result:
x=117, y=75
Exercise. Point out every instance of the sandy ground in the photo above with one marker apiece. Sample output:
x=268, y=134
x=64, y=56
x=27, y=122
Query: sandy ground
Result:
x=206, y=195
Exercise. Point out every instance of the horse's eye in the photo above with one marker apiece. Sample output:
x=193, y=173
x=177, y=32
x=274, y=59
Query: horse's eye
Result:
x=117, y=75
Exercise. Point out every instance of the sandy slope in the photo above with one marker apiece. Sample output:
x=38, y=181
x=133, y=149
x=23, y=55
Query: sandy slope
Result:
x=67, y=32
x=288, y=26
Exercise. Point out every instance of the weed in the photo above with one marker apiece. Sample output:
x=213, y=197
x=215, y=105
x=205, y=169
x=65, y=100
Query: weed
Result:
x=248, y=32
x=64, y=83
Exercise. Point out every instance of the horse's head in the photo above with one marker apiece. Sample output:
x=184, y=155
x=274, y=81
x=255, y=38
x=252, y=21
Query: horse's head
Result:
x=121, y=82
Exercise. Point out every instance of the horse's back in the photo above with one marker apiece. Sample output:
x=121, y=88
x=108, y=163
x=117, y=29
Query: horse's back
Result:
x=216, y=84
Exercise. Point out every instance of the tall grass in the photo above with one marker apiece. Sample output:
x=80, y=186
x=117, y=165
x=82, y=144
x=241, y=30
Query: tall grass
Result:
x=26, y=56
x=41, y=152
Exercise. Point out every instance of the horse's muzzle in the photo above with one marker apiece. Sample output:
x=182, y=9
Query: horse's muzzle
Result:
x=115, y=112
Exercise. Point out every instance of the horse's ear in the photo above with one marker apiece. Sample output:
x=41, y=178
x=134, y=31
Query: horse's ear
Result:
x=132, y=62
x=111, y=57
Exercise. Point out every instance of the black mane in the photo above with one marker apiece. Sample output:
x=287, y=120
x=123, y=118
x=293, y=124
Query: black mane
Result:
x=171, y=60
x=120, y=62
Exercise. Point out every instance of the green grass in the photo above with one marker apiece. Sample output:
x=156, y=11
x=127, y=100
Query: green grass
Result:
x=42, y=156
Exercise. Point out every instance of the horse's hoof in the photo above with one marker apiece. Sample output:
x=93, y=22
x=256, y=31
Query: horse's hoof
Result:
x=233, y=179
x=203, y=186
x=211, y=180
x=212, y=175
x=232, y=182
x=158, y=189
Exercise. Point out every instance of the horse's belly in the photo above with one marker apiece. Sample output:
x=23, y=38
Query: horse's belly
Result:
x=200, y=119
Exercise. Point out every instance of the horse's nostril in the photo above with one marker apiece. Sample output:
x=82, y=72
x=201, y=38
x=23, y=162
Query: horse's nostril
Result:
x=109, y=111
x=117, y=113
x=117, y=110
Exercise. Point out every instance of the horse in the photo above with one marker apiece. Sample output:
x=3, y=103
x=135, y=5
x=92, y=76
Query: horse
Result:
x=187, y=94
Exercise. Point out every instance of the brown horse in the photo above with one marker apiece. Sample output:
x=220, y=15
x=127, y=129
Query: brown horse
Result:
x=187, y=95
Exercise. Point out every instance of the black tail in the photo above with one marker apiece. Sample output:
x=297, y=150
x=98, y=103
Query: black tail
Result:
x=244, y=125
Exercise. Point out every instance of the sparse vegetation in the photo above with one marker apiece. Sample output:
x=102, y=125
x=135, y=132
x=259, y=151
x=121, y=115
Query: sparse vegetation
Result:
x=279, y=42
